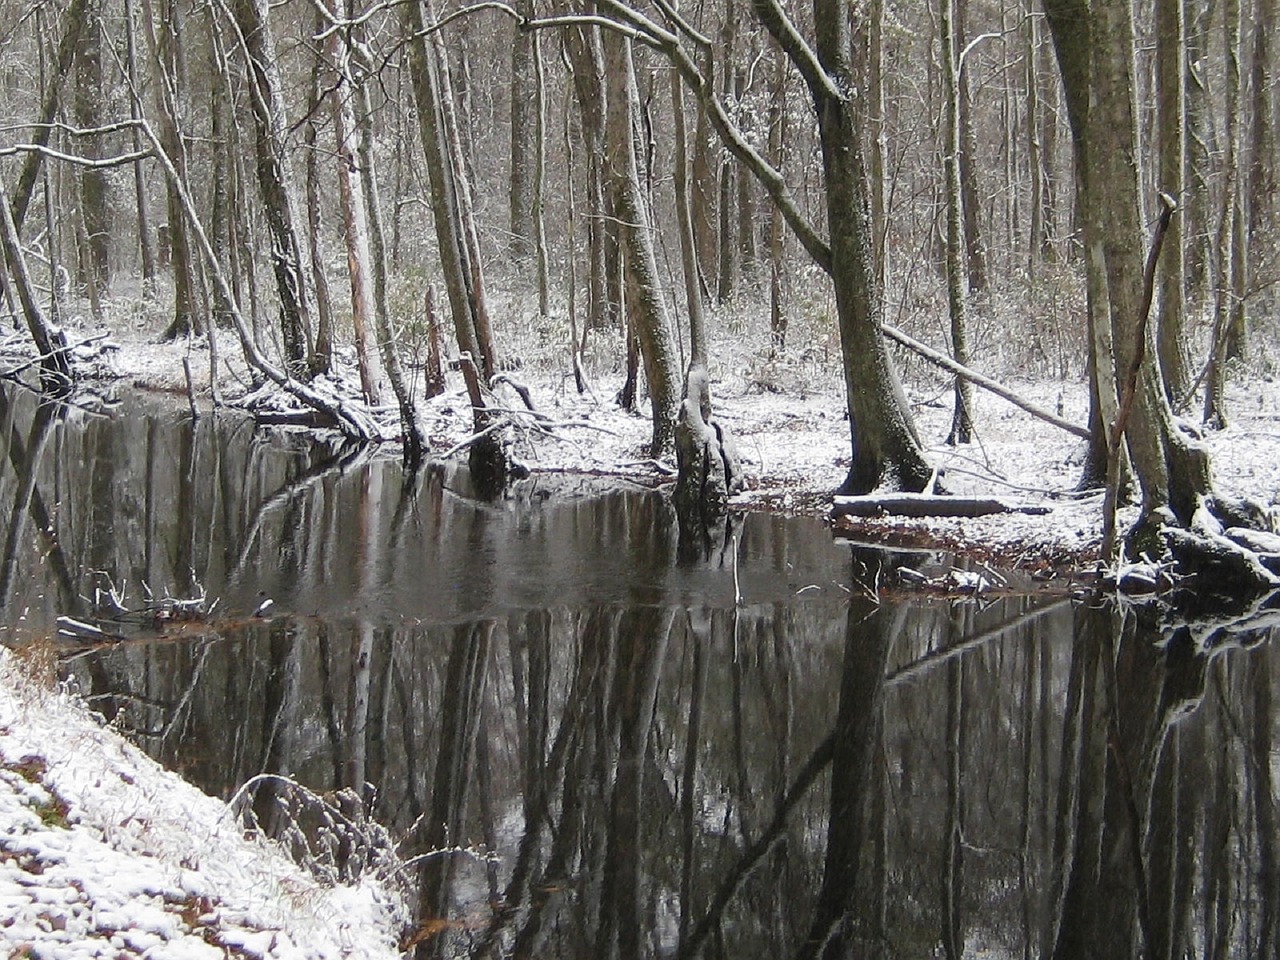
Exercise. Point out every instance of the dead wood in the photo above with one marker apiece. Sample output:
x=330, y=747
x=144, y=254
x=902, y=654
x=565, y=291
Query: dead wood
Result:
x=928, y=505
x=985, y=382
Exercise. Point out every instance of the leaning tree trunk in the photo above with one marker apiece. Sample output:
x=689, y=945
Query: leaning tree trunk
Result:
x=647, y=307
x=413, y=443
x=427, y=69
x=886, y=447
x=59, y=70
x=275, y=180
x=55, y=370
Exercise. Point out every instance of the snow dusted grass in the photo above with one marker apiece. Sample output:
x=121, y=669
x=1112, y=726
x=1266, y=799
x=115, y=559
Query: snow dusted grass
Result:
x=105, y=854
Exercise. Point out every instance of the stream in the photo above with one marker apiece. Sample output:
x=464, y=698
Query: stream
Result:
x=775, y=749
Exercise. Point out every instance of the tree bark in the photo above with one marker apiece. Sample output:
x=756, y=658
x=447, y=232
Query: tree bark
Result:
x=1171, y=473
x=647, y=308
x=55, y=369
x=354, y=208
x=1171, y=121
x=95, y=183
x=961, y=419
x=60, y=69
x=885, y=446
x=275, y=180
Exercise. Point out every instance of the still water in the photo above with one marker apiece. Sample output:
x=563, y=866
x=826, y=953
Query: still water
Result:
x=769, y=750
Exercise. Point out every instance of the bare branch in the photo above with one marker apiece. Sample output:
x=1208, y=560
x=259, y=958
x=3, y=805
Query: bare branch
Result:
x=798, y=51
x=640, y=28
x=50, y=154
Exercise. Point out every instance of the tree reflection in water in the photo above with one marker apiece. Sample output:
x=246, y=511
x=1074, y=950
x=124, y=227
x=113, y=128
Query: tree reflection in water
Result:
x=619, y=761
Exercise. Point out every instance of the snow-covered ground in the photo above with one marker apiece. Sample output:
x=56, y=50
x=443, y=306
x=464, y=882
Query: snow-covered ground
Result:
x=787, y=417
x=105, y=854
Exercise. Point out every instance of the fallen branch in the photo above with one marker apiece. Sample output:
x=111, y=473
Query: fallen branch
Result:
x=928, y=505
x=13, y=372
x=977, y=379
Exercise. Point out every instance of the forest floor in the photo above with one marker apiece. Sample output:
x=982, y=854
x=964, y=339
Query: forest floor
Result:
x=786, y=415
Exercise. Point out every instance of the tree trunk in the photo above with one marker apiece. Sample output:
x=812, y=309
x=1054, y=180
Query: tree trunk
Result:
x=386, y=338
x=961, y=420
x=1201, y=146
x=322, y=355
x=95, y=184
x=647, y=308
x=166, y=50
x=354, y=210
x=146, y=242
x=1171, y=473
x=538, y=212
x=1264, y=262
x=450, y=203
x=975, y=247
x=1171, y=106
x=51, y=345
x=75, y=19
x=1228, y=281
x=884, y=441
x=275, y=180
x=1072, y=38
x=523, y=120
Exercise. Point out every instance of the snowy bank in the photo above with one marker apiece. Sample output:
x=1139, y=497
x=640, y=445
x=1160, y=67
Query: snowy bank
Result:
x=105, y=854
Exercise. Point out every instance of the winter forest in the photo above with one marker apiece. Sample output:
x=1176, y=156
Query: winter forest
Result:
x=630, y=185
x=632, y=478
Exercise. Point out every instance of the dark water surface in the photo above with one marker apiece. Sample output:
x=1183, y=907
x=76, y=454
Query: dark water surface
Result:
x=634, y=764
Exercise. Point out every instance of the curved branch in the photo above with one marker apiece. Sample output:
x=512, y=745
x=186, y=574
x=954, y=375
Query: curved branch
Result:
x=798, y=51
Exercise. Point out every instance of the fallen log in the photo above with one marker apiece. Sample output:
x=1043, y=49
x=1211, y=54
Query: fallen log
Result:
x=928, y=505
x=986, y=383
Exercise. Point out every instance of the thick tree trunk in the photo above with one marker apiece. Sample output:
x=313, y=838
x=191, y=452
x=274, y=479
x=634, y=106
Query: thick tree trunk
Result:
x=95, y=183
x=1172, y=474
x=885, y=446
x=647, y=308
